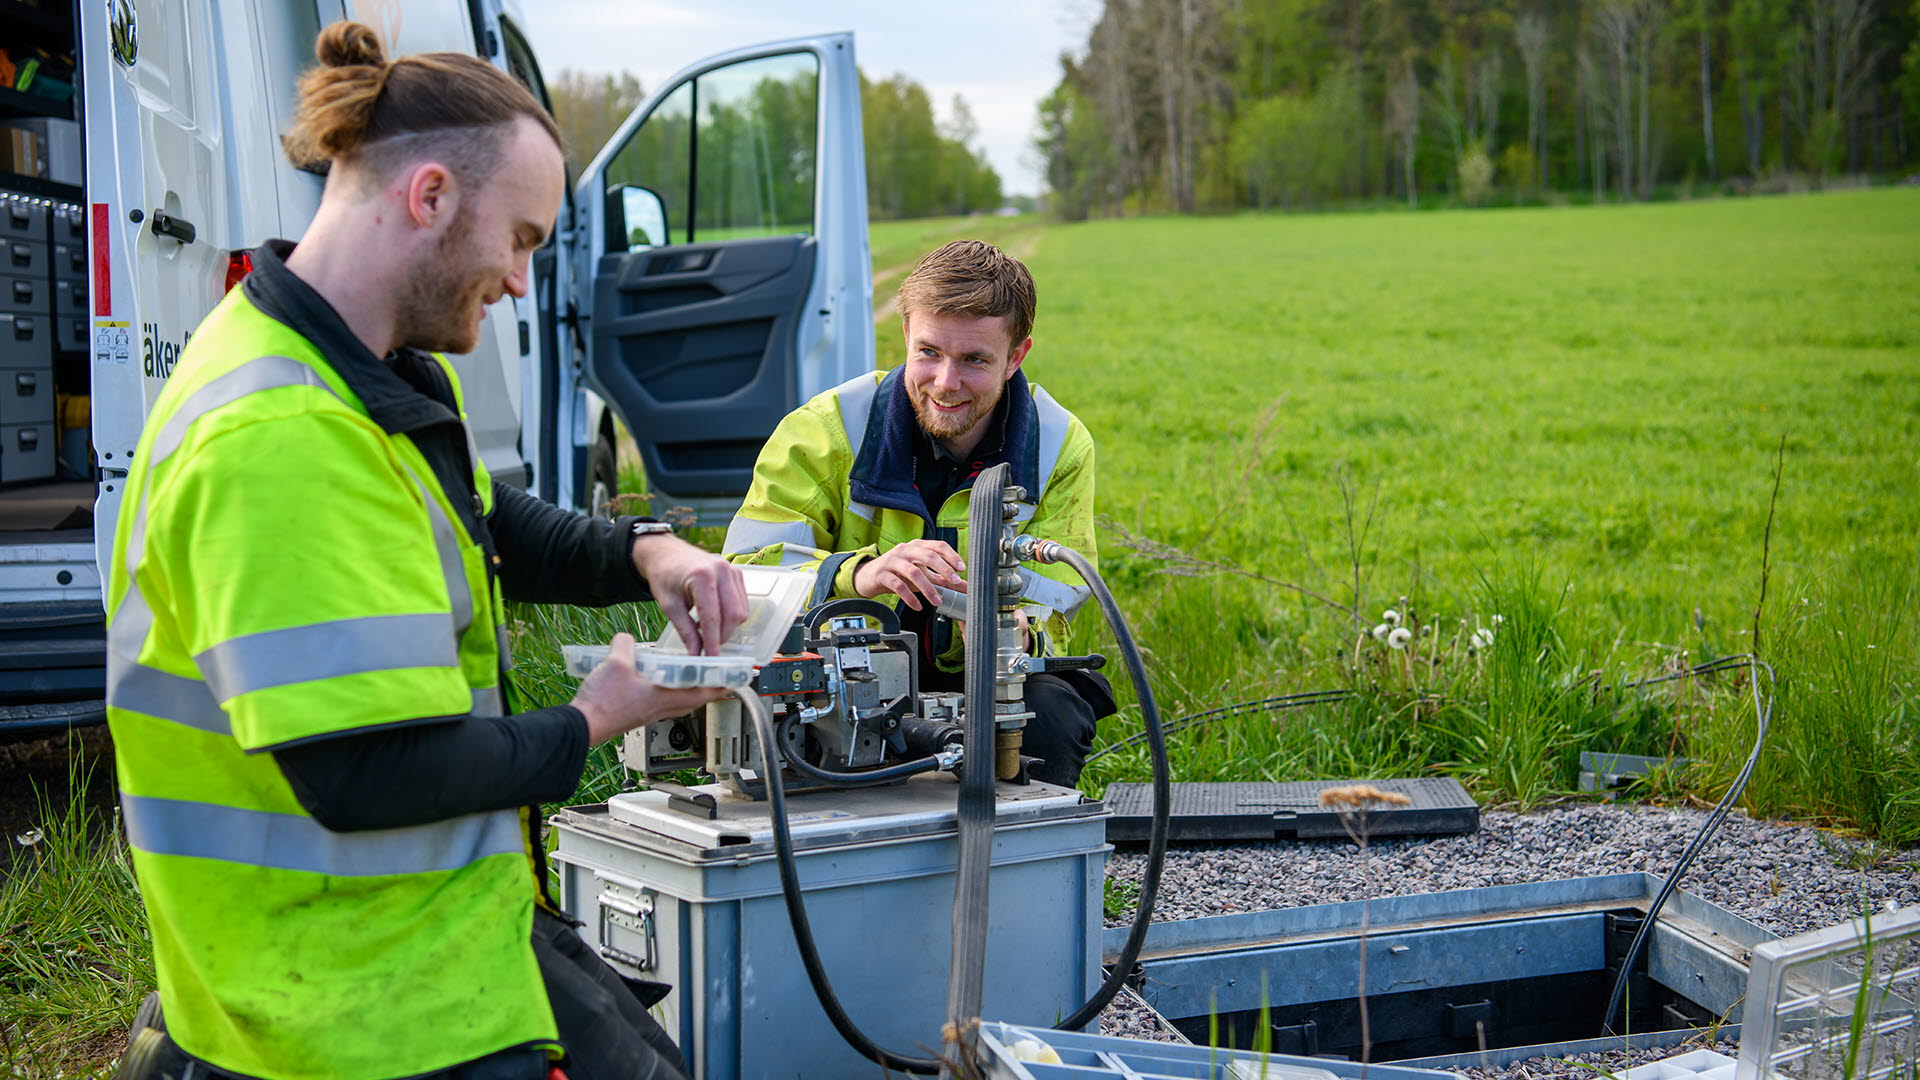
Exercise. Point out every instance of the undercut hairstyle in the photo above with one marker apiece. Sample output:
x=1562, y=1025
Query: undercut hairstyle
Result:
x=971, y=279
x=373, y=115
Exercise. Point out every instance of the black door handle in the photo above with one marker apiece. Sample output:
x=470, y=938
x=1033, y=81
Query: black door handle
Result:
x=165, y=224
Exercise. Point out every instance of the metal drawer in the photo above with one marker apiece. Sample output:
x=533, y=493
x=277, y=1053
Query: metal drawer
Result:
x=70, y=298
x=70, y=226
x=70, y=261
x=23, y=258
x=25, y=295
x=26, y=396
x=25, y=340
x=22, y=220
x=70, y=333
x=26, y=452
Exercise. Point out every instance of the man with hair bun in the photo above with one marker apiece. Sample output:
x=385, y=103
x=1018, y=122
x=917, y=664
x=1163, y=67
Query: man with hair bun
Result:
x=334, y=825
x=869, y=482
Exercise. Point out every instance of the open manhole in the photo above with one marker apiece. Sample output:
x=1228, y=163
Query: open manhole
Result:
x=1474, y=977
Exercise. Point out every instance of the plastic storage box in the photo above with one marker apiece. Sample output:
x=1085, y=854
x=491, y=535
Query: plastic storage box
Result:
x=681, y=899
x=774, y=600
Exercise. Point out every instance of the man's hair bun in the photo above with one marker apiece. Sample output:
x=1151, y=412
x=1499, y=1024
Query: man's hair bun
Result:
x=356, y=101
x=348, y=44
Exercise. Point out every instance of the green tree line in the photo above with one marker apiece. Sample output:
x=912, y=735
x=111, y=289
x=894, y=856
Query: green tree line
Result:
x=1218, y=104
x=918, y=164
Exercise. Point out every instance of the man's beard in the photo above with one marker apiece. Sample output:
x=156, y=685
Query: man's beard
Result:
x=948, y=425
x=435, y=311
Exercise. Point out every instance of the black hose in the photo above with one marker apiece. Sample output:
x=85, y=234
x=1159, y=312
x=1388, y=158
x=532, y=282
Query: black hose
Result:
x=797, y=908
x=967, y=979
x=863, y=778
x=1224, y=712
x=1762, y=717
x=1162, y=788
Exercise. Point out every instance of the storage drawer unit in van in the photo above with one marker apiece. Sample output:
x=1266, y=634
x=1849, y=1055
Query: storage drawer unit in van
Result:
x=25, y=340
x=25, y=295
x=22, y=221
x=26, y=452
x=26, y=395
x=23, y=258
x=70, y=261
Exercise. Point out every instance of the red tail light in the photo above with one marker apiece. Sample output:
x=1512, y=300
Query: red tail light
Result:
x=239, y=265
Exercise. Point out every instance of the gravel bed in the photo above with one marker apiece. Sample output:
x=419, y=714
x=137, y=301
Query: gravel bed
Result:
x=1785, y=877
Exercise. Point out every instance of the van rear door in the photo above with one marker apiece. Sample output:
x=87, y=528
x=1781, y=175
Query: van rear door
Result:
x=164, y=187
x=722, y=261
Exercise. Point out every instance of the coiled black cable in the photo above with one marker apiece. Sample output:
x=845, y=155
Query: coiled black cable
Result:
x=1162, y=788
x=862, y=778
x=797, y=908
x=1763, y=715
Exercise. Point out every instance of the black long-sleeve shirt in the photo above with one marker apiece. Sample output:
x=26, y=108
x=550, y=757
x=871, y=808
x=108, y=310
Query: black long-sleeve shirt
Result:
x=443, y=767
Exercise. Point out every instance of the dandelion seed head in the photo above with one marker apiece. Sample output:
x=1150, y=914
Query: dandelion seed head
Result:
x=1399, y=637
x=1390, y=617
x=1380, y=632
x=1357, y=796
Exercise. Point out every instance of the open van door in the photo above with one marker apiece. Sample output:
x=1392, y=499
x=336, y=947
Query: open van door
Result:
x=721, y=266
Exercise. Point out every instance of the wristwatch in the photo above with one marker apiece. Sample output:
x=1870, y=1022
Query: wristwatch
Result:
x=651, y=527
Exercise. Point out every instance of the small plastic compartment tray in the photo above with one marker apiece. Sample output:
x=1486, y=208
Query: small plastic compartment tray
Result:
x=774, y=600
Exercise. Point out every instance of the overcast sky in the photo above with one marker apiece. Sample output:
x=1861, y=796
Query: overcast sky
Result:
x=1001, y=55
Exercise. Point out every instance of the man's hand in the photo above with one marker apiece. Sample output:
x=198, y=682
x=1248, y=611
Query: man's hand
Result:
x=912, y=571
x=615, y=698
x=684, y=578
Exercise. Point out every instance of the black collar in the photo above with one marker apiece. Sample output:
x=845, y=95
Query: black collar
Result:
x=392, y=400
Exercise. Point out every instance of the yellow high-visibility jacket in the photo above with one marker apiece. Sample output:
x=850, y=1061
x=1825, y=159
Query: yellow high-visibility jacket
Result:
x=833, y=486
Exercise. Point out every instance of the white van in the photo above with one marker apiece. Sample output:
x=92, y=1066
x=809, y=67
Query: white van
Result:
x=709, y=272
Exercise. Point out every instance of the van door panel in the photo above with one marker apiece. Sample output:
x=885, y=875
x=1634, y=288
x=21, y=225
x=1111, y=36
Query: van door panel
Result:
x=703, y=338
x=755, y=292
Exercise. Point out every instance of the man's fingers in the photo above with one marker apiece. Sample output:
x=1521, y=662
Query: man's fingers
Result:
x=950, y=562
x=674, y=607
x=896, y=583
x=706, y=600
x=733, y=598
x=919, y=581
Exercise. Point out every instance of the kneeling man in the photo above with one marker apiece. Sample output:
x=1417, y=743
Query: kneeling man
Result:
x=869, y=481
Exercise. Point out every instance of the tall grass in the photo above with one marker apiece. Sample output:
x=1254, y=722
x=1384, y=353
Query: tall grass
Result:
x=1844, y=746
x=74, y=956
x=540, y=678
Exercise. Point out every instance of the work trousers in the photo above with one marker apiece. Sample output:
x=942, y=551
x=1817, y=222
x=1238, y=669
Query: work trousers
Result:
x=602, y=1020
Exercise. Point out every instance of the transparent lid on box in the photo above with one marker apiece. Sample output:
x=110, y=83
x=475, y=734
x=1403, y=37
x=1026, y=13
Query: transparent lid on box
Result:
x=774, y=599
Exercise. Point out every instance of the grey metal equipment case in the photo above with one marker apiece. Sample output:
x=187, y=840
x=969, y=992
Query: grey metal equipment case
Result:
x=671, y=895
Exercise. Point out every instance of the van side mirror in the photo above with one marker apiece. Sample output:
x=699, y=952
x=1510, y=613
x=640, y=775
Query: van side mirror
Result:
x=636, y=218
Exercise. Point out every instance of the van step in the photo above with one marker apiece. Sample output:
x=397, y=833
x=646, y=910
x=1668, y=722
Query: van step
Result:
x=1262, y=811
x=50, y=615
x=21, y=719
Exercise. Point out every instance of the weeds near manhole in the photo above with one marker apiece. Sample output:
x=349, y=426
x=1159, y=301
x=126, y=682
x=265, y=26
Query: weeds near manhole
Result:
x=1353, y=804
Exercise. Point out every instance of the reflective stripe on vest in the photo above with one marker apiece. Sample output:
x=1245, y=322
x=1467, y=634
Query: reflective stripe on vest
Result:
x=1054, y=422
x=747, y=535
x=856, y=404
x=326, y=650
x=296, y=842
x=259, y=661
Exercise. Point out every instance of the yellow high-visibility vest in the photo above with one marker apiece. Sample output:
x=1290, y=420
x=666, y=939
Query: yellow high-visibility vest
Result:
x=285, y=570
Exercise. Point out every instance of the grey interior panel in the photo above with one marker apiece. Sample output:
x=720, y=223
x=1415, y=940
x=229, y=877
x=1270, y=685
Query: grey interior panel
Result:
x=694, y=346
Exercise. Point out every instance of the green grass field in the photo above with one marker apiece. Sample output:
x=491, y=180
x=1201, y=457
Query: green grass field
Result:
x=1580, y=405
